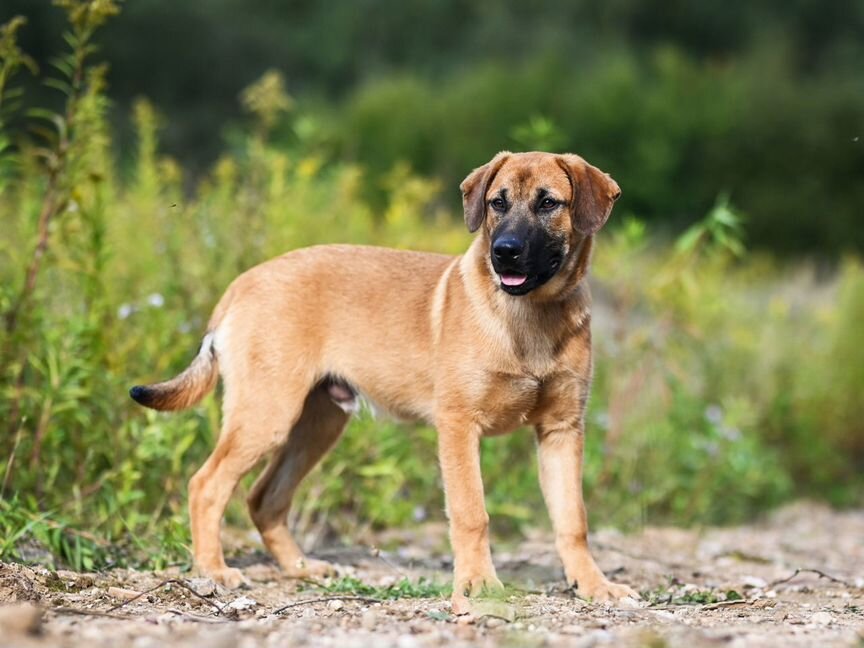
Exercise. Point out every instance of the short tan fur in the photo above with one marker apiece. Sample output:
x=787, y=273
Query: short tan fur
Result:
x=423, y=336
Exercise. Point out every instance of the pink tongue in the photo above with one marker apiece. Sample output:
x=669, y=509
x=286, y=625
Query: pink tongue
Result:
x=513, y=280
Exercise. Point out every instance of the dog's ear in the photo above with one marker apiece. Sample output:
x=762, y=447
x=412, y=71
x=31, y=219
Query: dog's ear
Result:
x=474, y=189
x=594, y=193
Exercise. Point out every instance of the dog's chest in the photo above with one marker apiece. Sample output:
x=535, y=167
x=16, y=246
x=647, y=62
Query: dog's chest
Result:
x=508, y=401
x=544, y=382
x=516, y=400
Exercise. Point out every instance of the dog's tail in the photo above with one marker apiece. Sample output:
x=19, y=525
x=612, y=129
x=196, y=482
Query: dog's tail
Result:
x=186, y=389
x=198, y=379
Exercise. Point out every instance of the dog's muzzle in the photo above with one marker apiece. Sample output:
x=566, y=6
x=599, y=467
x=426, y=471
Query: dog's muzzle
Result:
x=506, y=253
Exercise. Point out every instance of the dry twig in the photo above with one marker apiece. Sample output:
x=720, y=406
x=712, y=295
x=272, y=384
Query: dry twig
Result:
x=821, y=574
x=93, y=613
x=170, y=581
x=325, y=599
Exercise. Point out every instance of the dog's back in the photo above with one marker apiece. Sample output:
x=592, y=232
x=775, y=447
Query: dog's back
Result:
x=368, y=330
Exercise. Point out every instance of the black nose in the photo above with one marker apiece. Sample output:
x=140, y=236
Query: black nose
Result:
x=507, y=248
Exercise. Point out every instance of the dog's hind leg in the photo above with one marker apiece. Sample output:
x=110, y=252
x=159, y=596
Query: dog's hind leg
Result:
x=252, y=428
x=317, y=430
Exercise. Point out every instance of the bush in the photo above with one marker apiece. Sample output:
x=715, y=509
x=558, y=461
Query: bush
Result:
x=725, y=383
x=674, y=131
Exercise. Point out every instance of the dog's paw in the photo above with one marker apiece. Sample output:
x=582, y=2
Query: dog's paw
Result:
x=229, y=577
x=308, y=568
x=605, y=590
x=476, y=585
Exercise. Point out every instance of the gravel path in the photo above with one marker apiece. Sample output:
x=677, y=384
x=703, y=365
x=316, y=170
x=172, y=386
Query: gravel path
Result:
x=795, y=580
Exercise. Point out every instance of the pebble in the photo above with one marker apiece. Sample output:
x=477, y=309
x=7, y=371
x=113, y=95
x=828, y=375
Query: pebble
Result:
x=123, y=594
x=497, y=609
x=204, y=586
x=465, y=632
x=592, y=639
x=822, y=618
x=336, y=604
x=243, y=603
x=630, y=603
x=369, y=620
x=21, y=619
x=663, y=614
x=222, y=638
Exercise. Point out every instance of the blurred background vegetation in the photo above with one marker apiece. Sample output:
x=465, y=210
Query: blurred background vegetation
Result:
x=729, y=287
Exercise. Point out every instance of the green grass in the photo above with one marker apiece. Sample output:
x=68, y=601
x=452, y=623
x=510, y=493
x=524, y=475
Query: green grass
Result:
x=725, y=382
x=404, y=588
x=675, y=594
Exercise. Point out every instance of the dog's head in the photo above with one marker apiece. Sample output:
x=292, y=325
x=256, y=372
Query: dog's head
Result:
x=535, y=209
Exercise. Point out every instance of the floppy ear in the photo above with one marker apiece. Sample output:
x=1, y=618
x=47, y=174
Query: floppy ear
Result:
x=474, y=189
x=594, y=193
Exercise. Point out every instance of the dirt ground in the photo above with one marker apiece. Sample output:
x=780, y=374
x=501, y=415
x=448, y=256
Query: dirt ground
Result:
x=690, y=580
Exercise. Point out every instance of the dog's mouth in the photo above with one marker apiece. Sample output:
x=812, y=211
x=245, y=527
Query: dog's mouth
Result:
x=517, y=282
x=513, y=280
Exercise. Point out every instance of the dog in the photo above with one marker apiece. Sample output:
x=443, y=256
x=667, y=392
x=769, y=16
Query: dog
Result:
x=477, y=345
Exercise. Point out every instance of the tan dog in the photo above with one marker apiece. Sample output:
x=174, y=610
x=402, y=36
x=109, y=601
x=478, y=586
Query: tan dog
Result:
x=477, y=345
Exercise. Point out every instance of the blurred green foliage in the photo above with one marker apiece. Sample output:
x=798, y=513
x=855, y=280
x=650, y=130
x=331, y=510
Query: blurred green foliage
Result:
x=761, y=99
x=672, y=131
x=726, y=382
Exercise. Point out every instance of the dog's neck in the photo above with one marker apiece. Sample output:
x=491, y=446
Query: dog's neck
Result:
x=539, y=323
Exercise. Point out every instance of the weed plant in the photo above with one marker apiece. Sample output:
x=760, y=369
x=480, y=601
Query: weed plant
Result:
x=725, y=383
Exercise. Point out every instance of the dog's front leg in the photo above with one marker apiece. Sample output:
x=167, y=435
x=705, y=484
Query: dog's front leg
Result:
x=459, y=454
x=560, y=450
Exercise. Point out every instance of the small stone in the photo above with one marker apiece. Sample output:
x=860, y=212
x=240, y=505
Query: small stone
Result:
x=822, y=618
x=465, y=632
x=145, y=642
x=336, y=605
x=496, y=609
x=204, y=586
x=407, y=641
x=243, y=603
x=369, y=620
x=21, y=619
x=663, y=614
x=593, y=638
x=494, y=622
x=222, y=638
x=123, y=594
x=630, y=603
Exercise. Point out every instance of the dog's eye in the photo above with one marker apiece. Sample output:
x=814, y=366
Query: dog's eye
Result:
x=548, y=203
x=498, y=204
